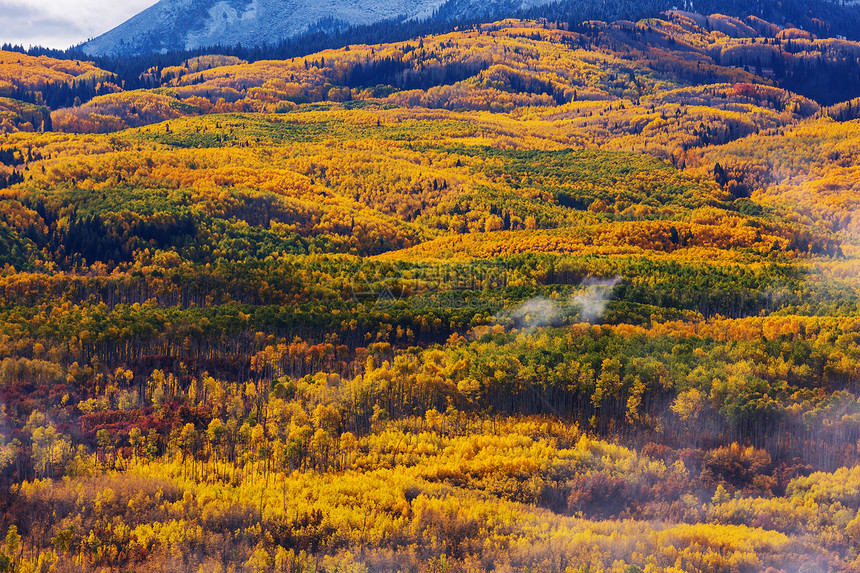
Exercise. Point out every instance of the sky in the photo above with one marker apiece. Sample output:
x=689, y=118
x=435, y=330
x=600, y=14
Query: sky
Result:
x=62, y=23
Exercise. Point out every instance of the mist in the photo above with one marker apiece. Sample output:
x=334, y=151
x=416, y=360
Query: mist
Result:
x=589, y=302
x=593, y=300
x=537, y=313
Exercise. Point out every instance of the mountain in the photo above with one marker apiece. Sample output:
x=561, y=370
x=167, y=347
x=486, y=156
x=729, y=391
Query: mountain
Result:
x=191, y=24
x=180, y=25
x=550, y=295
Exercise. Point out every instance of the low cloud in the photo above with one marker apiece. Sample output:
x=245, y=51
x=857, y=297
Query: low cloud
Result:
x=62, y=23
x=537, y=313
x=31, y=25
x=590, y=303
x=593, y=300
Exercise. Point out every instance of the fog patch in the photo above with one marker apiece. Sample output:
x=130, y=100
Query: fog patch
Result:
x=593, y=300
x=537, y=313
x=588, y=303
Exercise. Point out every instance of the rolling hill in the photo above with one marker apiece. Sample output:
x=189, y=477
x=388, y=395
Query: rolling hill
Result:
x=528, y=295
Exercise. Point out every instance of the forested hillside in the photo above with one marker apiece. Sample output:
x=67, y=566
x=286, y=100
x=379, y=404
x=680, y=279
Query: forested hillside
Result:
x=526, y=296
x=272, y=30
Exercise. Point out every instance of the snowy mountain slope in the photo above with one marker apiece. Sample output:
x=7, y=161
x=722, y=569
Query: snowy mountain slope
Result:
x=189, y=24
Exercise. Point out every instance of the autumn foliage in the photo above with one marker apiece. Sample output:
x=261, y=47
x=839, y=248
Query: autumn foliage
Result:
x=524, y=296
